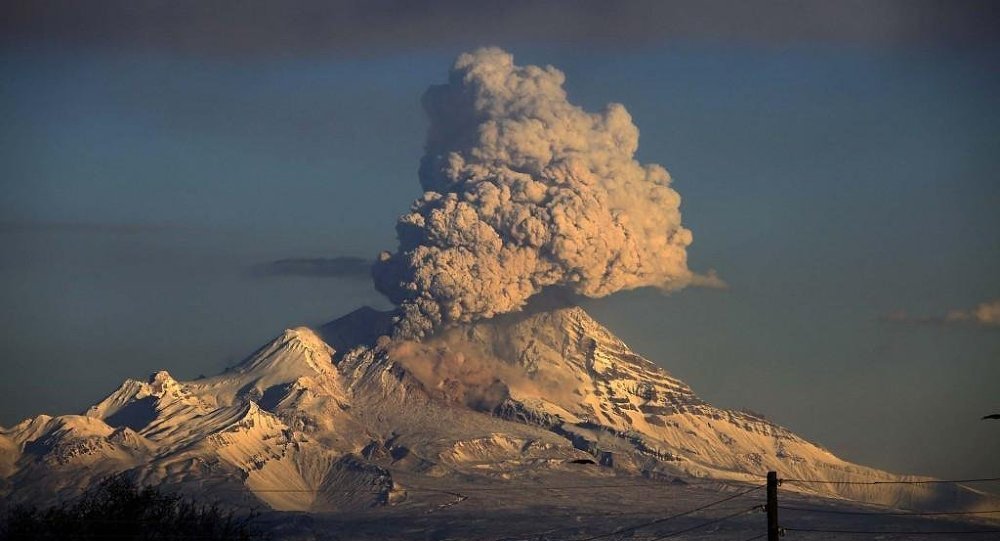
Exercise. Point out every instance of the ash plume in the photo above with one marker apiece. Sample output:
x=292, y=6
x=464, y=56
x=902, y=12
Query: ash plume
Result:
x=526, y=191
x=455, y=369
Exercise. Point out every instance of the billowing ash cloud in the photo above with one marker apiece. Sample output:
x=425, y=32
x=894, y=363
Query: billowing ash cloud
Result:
x=524, y=191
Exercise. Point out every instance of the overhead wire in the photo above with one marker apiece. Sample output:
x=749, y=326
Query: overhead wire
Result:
x=919, y=482
x=549, y=532
x=651, y=484
x=671, y=517
x=892, y=532
x=886, y=513
x=890, y=513
x=708, y=523
x=723, y=500
x=487, y=489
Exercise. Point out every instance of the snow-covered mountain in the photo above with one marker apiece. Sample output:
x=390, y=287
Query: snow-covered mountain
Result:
x=341, y=417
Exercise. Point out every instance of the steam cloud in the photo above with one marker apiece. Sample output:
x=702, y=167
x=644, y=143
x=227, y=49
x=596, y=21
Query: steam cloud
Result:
x=523, y=191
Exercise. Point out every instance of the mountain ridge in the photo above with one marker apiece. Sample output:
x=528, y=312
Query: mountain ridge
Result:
x=343, y=417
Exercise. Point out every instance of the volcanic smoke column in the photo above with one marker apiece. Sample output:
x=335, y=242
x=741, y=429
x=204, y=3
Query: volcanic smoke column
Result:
x=524, y=190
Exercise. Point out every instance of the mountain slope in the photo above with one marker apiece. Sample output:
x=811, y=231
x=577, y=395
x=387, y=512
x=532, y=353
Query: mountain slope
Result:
x=344, y=418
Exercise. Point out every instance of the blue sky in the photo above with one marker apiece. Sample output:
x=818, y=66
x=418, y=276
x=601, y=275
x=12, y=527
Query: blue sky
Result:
x=828, y=182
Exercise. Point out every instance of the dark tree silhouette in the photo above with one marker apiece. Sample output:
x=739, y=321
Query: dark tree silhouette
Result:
x=116, y=508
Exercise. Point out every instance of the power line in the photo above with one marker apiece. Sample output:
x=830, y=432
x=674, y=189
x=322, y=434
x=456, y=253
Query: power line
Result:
x=928, y=481
x=646, y=512
x=887, y=513
x=709, y=523
x=774, y=530
x=469, y=489
x=671, y=517
x=622, y=485
x=871, y=532
x=564, y=487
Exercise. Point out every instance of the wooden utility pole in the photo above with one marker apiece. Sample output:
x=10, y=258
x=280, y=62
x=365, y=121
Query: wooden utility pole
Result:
x=772, y=506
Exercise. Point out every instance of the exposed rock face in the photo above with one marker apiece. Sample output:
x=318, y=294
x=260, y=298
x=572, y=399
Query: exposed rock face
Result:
x=299, y=425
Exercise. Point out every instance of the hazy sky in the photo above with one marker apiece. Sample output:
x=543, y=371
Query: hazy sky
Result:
x=836, y=165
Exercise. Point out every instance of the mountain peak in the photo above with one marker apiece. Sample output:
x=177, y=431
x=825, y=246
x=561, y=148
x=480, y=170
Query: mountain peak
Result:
x=360, y=327
x=162, y=383
x=299, y=350
x=317, y=419
x=309, y=339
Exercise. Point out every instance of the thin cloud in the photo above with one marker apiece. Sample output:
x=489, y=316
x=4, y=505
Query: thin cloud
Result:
x=317, y=267
x=363, y=27
x=93, y=228
x=986, y=315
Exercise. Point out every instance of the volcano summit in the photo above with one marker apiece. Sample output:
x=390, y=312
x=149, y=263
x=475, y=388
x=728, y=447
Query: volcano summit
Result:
x=342, y=418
